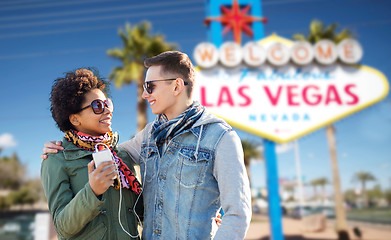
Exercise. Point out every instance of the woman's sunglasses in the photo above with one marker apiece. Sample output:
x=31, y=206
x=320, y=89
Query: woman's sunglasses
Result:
x=98, y=106
x=148, y=86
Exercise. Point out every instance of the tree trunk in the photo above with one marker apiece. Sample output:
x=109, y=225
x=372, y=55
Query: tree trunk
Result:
x=248, y=172
x=249, y=181
x=342, y=227
x=364, y=194
x=141, y=105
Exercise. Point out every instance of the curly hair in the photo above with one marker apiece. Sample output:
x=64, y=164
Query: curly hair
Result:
x=68, y=93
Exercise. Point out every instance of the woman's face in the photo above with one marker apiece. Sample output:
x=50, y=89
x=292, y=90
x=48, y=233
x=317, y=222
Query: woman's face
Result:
x=87, y=121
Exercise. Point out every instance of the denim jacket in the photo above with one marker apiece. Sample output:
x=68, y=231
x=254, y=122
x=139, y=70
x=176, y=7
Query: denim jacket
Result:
x=199, y=172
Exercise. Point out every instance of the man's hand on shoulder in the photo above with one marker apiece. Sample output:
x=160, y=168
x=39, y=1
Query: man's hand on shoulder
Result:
x=51, y=147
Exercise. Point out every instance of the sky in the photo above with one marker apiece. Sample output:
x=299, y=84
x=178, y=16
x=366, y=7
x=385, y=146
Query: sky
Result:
x=40, y=40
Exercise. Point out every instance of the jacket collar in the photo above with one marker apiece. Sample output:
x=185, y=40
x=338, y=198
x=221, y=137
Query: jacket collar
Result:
x=205, y=119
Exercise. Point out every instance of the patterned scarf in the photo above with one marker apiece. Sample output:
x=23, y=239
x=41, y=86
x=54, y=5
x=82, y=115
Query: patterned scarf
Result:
x=165, y=129
x=88, y=142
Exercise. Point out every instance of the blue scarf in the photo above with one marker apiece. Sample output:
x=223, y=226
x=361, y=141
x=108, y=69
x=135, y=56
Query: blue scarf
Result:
x=164, y=129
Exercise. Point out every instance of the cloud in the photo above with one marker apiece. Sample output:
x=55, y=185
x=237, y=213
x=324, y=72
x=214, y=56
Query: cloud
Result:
x=384, y=165
x=282, y=148
x=7, y=140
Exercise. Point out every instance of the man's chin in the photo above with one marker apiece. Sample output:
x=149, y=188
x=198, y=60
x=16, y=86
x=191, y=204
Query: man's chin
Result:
x=156, y=112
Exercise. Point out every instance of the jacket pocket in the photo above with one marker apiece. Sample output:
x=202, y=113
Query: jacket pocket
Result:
x=93, y=232
x=192, y=168
x=148, y=162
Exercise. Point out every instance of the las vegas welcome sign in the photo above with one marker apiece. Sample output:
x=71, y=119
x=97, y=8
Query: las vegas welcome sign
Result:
x=282, y=90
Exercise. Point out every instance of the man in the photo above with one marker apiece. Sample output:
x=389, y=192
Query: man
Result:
x=191, y=161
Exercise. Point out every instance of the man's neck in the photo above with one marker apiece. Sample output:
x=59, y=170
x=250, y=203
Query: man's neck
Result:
x=180, y=109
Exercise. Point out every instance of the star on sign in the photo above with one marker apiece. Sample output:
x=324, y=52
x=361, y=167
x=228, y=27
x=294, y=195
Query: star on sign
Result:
x=236, y=20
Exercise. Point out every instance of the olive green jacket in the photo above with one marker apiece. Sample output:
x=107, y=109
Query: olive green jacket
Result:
x=77, y=213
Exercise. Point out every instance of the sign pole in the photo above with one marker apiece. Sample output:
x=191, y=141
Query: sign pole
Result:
x=273, y=191
x=329, y=86
x=299, y=177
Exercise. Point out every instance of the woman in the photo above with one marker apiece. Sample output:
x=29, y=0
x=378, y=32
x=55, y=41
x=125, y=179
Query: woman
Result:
x=85, y=202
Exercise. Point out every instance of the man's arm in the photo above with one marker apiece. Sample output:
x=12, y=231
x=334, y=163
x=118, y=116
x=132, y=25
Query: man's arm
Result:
x=133, y=146
x=51, y=147
x=235, y=194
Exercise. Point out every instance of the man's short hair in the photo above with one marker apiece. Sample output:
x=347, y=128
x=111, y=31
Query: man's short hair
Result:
x=177, y=63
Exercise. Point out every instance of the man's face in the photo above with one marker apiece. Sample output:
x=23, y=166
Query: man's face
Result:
x=162, y=99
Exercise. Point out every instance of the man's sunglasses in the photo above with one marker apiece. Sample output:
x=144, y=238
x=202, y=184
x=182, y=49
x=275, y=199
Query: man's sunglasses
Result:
x=98, y=106
x=148, y=86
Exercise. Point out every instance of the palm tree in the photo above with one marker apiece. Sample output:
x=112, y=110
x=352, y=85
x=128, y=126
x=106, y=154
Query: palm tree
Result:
x=317, y=32
x=341, y=224
x=314, y=183
x=251, y=151
x=364, y=177
x=350, y=196
x=138, y=44
x=291, y=189
x=323, y=182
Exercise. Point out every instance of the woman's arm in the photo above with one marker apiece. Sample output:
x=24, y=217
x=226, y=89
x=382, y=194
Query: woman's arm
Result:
x=70, y=212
